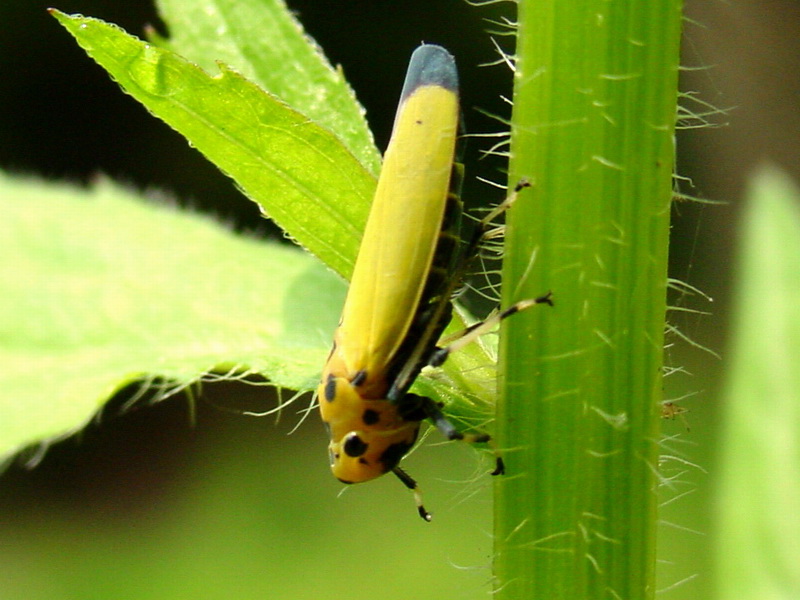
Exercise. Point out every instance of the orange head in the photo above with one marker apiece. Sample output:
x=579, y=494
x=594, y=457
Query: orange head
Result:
x=368, y=437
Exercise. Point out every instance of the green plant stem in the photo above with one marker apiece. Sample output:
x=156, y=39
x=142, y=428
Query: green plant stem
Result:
x=593, y=129
x=757, y=524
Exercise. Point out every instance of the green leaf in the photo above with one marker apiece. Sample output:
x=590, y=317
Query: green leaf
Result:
x=757, y=519
x=264, y=42
x=301, y=175
x=139, y=316
x=105, y=289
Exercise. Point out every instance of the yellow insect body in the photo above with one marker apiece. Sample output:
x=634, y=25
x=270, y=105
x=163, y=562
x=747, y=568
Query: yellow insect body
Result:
x=410, y=260
x=369, y=432
x=401, y=234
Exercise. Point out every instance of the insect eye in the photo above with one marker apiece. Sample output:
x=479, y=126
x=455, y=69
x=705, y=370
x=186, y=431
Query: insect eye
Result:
x=354, y=445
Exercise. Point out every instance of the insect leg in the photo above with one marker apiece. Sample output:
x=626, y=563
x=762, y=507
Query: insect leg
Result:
x=448, y=430
x=464, y=337
x=411, y=484
x=505, y=204
x=484, y=229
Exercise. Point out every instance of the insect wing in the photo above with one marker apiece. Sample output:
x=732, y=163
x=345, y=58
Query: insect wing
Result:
x=402, y=231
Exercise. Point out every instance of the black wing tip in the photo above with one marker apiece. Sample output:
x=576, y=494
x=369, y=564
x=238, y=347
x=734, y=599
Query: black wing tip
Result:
x=430, y=65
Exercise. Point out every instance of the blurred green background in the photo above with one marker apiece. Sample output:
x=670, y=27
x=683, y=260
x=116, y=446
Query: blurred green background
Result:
x=149, y=504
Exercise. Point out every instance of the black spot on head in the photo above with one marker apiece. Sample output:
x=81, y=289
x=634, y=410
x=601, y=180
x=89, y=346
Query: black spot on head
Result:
x=419, y=121
x=359, y=378
x=370, y=417
x=354, y=446
x=330, y=388
x=393, y=454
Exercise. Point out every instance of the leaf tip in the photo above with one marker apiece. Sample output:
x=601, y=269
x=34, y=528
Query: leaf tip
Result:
x=63, y=18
